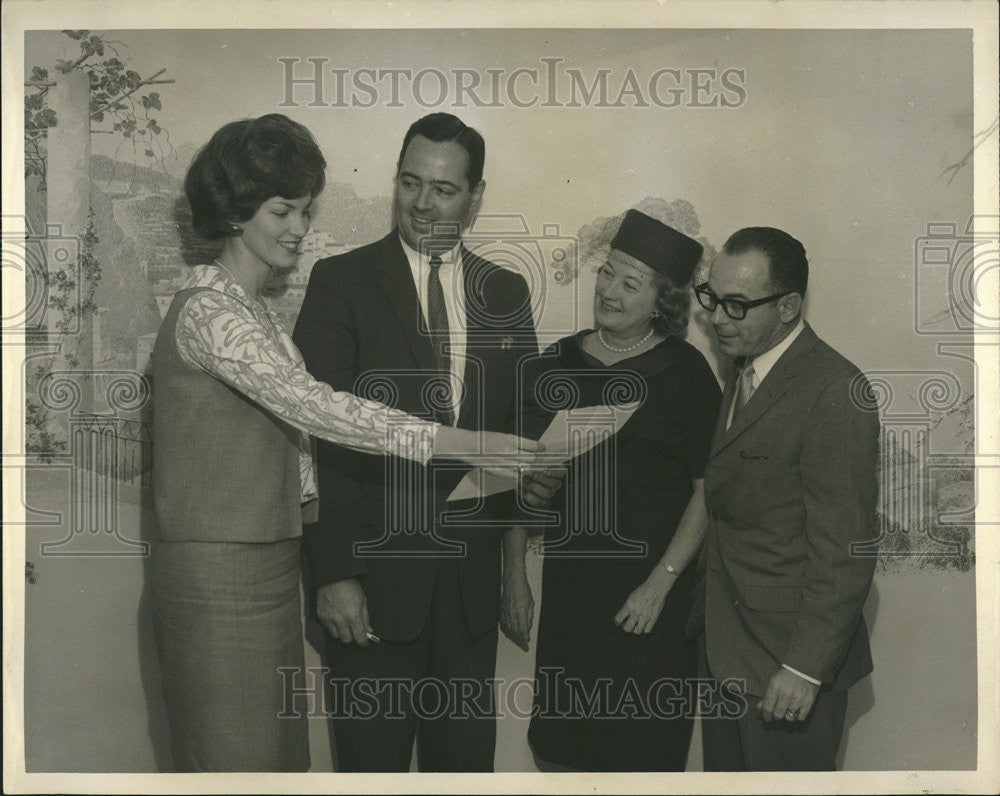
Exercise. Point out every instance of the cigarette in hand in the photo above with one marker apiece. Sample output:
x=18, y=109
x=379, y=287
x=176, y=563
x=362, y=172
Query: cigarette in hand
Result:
x=372, y=637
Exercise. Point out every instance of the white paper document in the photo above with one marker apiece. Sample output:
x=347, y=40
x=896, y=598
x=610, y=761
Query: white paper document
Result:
x=571, y=433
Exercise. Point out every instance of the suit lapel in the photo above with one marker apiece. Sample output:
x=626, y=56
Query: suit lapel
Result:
x=475, y=311
x=397, y=282
x=777, y=382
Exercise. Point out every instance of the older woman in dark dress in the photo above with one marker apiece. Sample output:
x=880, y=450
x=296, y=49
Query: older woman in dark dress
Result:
x=613, y=670
x=233, y=408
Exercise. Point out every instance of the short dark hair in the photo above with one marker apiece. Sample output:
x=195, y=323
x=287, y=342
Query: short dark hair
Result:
x=789, y=268
x=439, y=127
x=246, y=163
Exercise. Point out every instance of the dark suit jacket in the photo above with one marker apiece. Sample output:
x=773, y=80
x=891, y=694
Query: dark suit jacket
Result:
x=359, y=331
x=790, y=486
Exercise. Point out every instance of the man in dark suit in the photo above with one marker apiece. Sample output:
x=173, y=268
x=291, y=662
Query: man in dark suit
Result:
x=409, y=588
x=791, y=489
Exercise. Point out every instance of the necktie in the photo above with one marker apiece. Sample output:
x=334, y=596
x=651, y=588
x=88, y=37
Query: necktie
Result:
x=437, y=323
x=747, y=386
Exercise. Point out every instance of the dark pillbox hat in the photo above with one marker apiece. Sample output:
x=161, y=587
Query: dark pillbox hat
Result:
x=662, y=248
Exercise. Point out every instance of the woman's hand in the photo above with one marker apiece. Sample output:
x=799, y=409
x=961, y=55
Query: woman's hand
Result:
x=643, y=606
x=499, y=454
x=517, y=607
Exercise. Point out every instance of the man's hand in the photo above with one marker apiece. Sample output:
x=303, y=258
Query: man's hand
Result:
x=517, y=607
x=788, y=698
x=343, y=609
x=538, y=486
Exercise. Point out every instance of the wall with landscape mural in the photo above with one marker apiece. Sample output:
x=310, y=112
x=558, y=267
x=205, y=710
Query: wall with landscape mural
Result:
x=92, y=316
x=143, y=246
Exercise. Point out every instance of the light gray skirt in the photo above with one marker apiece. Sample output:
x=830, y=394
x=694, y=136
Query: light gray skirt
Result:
x=227, y=617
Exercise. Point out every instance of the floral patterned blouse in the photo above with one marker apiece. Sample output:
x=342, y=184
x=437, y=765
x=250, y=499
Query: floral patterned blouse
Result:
x=239, y=340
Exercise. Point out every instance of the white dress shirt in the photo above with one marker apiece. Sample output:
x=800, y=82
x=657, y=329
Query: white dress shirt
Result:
x=762, y=364
x=453, y=284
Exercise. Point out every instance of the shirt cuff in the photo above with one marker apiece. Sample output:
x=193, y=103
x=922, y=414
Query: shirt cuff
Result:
x=812, y=680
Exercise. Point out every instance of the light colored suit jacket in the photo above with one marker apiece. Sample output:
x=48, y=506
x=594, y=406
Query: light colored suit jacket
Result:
x=791, y=490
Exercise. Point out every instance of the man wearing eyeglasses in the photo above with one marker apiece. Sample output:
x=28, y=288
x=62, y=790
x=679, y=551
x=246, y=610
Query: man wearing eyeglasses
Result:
x=790, y=489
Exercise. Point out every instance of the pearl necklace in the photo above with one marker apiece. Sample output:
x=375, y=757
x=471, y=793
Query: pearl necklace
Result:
x=626, y=349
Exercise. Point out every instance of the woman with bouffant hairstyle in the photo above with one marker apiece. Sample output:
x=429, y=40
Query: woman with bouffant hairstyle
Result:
x=233, y=474
x=246, y=163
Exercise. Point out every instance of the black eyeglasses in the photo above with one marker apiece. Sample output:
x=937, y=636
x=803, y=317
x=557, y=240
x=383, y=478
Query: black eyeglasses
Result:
x=734, y=308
